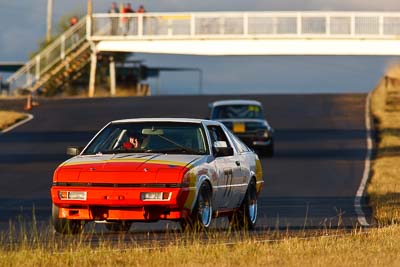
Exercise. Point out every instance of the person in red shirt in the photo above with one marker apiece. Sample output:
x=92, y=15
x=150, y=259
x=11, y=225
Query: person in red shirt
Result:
x=72, y=22
x=126, y=20
x=132, y=143
x=135, y=141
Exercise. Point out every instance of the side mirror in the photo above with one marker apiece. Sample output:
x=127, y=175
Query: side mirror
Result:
x=223, y=151
x=73, y=151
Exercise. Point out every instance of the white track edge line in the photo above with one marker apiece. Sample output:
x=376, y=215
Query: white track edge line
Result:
x=30, y=117
x=367, y=165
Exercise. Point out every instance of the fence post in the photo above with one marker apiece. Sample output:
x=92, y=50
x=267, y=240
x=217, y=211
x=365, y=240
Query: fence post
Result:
x=140, y=25
x=37, y=67
x=352, y=25
x=92, y=80
x=88, y=27
x=246, y=23
x=328, y=25
x=192, y=24
x=381, y=25
x=112, y=77
x=298, y=24
x=62, y=48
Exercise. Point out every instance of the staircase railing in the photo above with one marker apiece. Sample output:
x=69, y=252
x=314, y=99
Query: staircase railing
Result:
x=55, y=52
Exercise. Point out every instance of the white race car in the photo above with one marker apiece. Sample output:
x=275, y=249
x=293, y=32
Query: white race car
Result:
x=186, y=170
x=247, y=120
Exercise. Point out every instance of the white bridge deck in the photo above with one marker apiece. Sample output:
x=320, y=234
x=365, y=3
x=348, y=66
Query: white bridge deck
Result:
x=250, y=33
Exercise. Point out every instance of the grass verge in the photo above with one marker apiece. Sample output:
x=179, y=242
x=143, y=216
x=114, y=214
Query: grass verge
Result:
x=384, y=187
x=378, y=247
x=8, y=118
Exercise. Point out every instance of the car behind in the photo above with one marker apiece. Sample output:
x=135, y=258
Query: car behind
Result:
x=246, y=119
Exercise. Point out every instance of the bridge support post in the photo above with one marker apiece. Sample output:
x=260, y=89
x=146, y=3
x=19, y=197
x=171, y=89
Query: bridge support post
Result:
x=112, y=77
x=92, y=81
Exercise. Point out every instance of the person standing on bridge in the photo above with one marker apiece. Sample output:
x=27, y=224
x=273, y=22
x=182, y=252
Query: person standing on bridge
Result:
x=72, y=22
x=114, y=19
x=126, y=20
x=141, y=9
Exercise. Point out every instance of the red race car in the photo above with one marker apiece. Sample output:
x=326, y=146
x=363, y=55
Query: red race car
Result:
x=145, y=170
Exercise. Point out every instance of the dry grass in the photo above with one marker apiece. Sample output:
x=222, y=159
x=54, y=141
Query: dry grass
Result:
x=378, y=247
x=384, y=187
x=8, y=118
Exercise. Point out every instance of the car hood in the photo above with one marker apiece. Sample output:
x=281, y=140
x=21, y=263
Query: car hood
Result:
x=125, y=168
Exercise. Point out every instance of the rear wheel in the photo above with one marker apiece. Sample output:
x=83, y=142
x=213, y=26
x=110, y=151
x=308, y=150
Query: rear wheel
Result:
x=246, y=216
x=65, y=226
x=201, y=216
x=122, y=226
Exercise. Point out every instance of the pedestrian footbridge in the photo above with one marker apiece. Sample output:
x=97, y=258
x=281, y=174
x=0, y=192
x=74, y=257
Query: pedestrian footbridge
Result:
x=211, y=34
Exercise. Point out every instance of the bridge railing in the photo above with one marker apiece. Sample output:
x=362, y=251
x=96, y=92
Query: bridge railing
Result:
x=216, y=25
x=56, y=51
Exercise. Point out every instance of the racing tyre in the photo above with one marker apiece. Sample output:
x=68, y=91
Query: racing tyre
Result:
x=201, y=216
x=246, y=216
x=65, y=226
x=122, y=226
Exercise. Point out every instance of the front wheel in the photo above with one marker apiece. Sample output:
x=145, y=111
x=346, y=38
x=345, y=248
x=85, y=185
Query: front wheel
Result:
x=246, y=216
x=201, y=216
x=65, y=226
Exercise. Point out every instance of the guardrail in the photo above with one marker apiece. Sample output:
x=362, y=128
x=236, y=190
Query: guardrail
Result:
x=216, y=25
x=32, y=71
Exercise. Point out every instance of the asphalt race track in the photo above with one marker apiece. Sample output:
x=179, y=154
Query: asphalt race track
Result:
x=310, y=183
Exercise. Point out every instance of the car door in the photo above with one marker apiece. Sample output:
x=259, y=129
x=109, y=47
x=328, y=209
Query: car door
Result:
x=245, y=158
x=228, y=171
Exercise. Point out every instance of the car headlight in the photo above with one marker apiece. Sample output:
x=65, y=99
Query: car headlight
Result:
x=264, y=133
x=155, y=196
x=72, y=195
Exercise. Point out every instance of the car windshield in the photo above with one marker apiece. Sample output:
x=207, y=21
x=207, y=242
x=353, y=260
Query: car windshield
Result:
x=237, y=112
x=149, y=137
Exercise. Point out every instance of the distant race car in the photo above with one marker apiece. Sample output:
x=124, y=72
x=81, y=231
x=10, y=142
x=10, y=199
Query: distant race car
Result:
x=145, y=170
x=245, y=118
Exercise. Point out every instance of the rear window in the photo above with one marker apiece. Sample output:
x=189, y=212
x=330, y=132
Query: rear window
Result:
x=237, y=112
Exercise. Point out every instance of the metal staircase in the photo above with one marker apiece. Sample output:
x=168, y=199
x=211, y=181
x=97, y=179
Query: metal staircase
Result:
x=60, y=62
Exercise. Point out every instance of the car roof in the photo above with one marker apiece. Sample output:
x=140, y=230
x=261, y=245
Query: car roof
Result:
x=235, y=102
x=184, y=120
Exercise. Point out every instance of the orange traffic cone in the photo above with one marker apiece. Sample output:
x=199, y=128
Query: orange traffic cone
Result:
x=28, y=105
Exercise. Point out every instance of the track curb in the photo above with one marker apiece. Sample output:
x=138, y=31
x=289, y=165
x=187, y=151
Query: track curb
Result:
x=367, y=165
x=12, y=127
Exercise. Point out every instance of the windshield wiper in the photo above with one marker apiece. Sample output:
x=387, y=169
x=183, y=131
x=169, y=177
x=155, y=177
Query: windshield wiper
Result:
x=177, y=150
x=116, y=151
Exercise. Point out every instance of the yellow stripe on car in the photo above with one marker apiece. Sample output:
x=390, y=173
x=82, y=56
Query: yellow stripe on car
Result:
x=164, y=162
